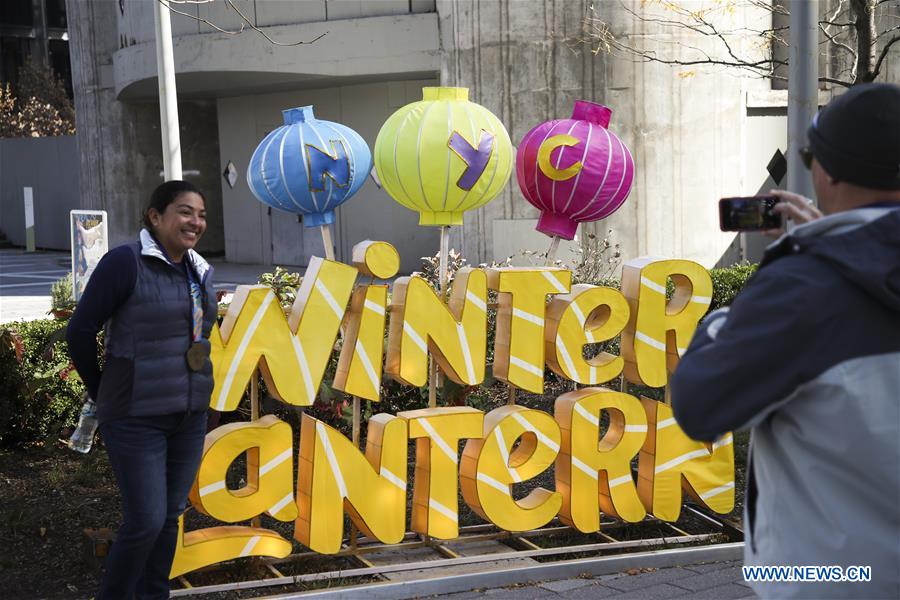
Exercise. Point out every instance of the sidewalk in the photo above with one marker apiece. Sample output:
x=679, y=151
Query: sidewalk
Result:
x=719, y=580
x=25, y=280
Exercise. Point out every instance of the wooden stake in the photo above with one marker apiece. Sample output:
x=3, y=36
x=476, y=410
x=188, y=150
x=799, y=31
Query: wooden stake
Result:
x=354, y=534
x=254, y=415
x=511, y=399
x=356, y=421
x=254, y=395
x=326, y=239
x=551, y=253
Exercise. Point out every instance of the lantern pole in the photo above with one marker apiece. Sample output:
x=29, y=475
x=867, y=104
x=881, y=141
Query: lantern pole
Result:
x=551, y=253
x=443, y=260
x=326, y=239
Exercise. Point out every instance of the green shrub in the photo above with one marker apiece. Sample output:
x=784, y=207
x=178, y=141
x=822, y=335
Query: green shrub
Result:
x=40, y=392
x=61, y=298
x=284, y=283
x=728, y=281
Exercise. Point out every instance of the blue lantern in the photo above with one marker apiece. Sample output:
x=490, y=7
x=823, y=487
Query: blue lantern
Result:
x=308, y=166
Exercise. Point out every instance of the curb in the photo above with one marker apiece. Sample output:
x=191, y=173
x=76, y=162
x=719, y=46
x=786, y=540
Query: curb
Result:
x=549, y=571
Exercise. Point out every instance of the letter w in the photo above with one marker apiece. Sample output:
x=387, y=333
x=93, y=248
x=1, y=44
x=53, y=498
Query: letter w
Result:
x=290, y=353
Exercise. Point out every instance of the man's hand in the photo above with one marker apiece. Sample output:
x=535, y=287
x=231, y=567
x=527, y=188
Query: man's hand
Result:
x=795, y=207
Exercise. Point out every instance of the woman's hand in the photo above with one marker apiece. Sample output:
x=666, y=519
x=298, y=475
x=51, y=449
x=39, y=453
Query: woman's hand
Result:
x=795, y=207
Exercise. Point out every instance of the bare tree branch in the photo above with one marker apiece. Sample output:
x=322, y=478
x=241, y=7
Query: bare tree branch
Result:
x=197, y=18
x=839, y=82
x=262, y=33
x=887, y=31
x=245, y=21
x=849, y=26
x=884, y=53
x=838, y=43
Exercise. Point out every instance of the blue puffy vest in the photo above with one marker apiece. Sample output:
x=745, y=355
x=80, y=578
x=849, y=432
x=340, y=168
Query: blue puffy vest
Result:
x=145, y=370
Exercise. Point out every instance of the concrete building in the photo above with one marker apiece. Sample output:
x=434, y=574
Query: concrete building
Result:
x=34, y=29
x=695, y=136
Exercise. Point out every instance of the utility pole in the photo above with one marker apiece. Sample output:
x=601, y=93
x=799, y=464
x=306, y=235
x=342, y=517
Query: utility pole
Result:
x=168, y=97
x=803, y=89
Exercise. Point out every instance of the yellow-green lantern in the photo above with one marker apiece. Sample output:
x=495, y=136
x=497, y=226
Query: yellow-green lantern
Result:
x=443, y=156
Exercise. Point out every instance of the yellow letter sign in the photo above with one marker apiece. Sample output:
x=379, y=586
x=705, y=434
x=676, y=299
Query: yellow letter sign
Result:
x=594, y=473
x=519, y=337
x=670, y=461
x=437, y=432
x=335, y=475
x=588, y=315
x=455, y=334
x=294, y=354
x=658, y=332
x=491, y=465
x=268, y=443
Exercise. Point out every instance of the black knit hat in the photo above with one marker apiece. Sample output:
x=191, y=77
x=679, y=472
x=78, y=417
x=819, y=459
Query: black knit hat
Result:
x=856, y=137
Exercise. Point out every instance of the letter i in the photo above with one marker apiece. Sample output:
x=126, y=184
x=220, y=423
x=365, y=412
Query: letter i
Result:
x=362, y=355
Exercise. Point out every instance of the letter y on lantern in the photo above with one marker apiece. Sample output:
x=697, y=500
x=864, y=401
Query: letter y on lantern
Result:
x=291, y=353
x=659, y=331
x=455, y=333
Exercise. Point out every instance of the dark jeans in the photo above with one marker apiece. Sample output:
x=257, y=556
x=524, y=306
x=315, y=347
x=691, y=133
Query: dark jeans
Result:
x=155, y=460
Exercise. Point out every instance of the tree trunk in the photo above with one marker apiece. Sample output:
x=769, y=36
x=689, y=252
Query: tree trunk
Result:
x=864, y=23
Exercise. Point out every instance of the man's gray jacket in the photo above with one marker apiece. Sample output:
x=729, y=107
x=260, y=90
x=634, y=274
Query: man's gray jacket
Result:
x=808, y=356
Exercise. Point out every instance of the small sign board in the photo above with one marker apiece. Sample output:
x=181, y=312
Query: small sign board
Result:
x=90, y=242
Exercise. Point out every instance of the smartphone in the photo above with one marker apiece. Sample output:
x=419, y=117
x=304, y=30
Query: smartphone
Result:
x=750, y=213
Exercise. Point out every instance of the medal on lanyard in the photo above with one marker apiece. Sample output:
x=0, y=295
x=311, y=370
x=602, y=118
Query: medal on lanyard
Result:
x=196, y=354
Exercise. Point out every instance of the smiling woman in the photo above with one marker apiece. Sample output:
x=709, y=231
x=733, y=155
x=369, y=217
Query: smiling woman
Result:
x=176, y=217
x=154, y=298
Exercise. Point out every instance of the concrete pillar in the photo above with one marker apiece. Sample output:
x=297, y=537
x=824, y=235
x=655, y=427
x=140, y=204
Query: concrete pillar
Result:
x=118, y=142
x=40, y=50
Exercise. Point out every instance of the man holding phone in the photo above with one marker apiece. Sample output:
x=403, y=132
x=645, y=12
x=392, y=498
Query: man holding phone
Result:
x=808, y=357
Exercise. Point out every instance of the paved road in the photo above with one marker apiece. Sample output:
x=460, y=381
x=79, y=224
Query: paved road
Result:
x=719, y=580
x=25, y=280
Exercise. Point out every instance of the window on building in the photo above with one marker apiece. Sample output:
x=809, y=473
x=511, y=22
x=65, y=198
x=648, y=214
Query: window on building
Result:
x=16, y=13
x=56, y=14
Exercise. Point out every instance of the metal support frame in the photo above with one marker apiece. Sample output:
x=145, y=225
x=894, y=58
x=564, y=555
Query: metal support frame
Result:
x=522, y=545
x=519, y=575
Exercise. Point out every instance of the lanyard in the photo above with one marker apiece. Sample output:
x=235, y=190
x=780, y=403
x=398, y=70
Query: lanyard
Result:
x=196, y=293
x=196, y=303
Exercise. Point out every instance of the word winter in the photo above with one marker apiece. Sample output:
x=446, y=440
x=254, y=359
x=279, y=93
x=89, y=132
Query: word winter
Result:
x=508, y=445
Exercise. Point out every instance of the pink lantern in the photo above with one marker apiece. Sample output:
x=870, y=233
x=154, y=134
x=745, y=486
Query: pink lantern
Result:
x=574, y=170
